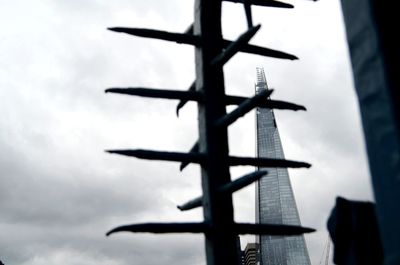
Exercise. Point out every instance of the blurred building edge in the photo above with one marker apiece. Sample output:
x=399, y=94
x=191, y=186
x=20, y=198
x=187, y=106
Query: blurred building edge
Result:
x=354, y=231
x=371, y=27
x=1, y=263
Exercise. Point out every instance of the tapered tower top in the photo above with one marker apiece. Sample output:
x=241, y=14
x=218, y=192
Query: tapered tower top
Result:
x=261, y=80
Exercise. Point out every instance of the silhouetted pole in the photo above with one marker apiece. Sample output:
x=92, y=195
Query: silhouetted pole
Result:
x=213, y=140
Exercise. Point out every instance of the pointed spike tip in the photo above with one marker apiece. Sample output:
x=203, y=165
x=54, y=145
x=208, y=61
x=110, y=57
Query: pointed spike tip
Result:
x=109, y=90
x=113, y=89
x=309, y=230
x=253, y=30
x=262, y=173
x=112, y=231
x=116, y=29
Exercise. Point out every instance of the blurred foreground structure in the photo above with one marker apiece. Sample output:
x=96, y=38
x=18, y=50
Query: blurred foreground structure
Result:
x=354, y=231
x=371, y=27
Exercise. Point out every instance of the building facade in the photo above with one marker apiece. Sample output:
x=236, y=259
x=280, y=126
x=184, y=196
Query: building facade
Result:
x=251, y=254
x=275, y=202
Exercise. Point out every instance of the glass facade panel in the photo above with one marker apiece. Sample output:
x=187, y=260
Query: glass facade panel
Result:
x=275, y=202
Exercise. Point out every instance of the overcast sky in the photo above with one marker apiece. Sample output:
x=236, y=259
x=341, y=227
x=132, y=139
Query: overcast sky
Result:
x=60, y=192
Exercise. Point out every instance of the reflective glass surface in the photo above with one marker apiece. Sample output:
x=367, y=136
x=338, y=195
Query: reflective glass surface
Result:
x=275, y=202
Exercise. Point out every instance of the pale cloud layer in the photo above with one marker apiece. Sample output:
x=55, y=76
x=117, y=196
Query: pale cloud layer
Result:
x=59, y=191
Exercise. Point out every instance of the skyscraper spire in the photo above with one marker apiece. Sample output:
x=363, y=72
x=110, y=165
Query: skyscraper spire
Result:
x=261, y=80
x=275, y=202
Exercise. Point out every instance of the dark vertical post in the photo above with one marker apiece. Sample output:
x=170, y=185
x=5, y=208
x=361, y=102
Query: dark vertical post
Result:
x=374, y=48
x=213, y=140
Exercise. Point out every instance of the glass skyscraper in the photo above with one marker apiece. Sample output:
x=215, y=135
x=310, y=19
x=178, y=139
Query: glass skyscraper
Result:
x=275, y=202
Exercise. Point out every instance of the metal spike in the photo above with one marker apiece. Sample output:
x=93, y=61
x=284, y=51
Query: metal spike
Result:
x=271, y=229
x=194, y=149
x=268, y=3
x=162, y=228
x=269, y=103
x=228, y=188
x=182, y=103
x=243, y=181
x=202, y=227
x=243, y=108
x=195, y=96
x=159, y=155
x=264, y=51
x=157, y=93
x=195, y=40
x=234, y=47
x=247, y=10
x=200, y=158
x=189, y=30
x=194, y=203
x=158, y=34
x=278, y=104
x=266, y=162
